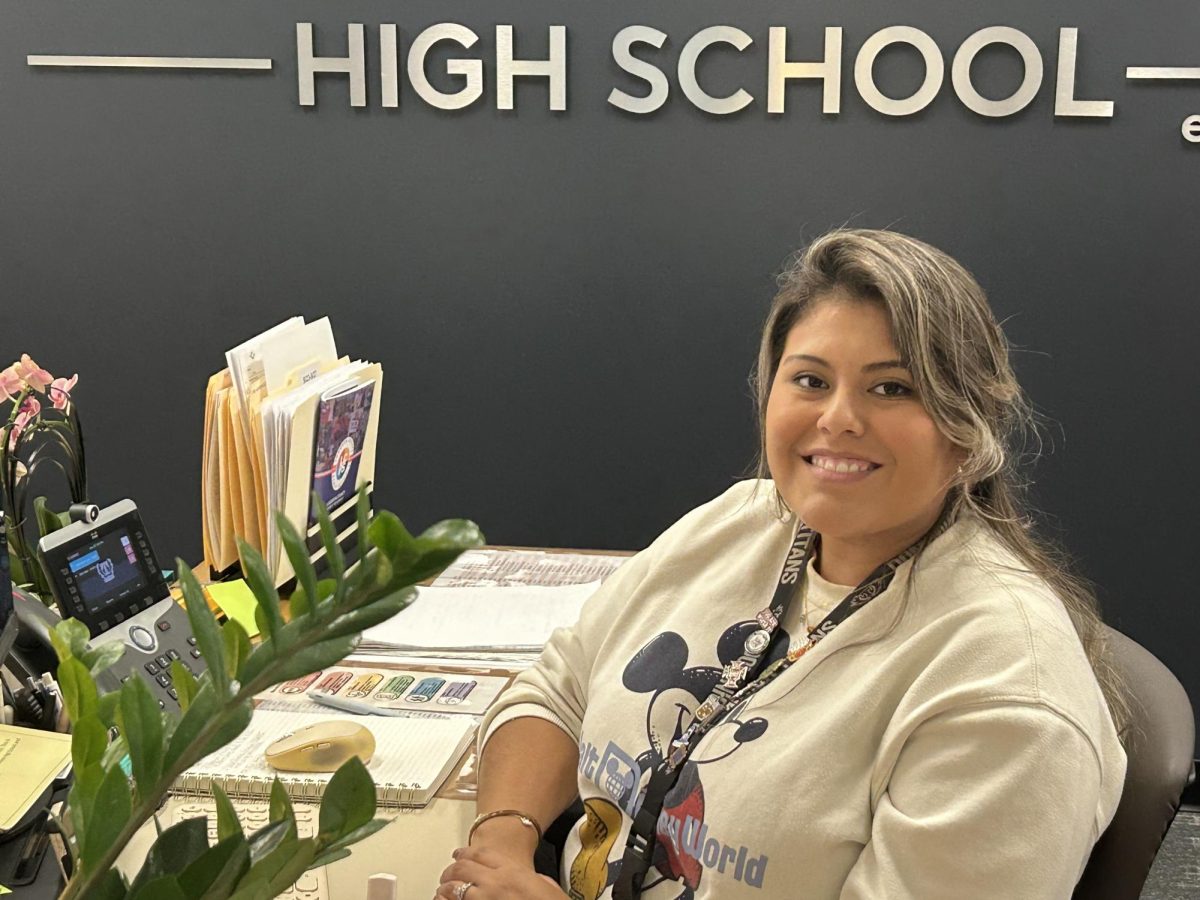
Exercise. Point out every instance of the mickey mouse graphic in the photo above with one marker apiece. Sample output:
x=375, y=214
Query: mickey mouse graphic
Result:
x=660, y=669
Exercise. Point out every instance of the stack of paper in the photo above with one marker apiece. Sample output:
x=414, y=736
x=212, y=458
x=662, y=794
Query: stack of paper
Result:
x=492, y=566
x=29, y=761
x=479, y=622
x=287, y=417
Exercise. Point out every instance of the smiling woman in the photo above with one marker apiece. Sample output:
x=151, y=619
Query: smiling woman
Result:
x=857, y=677
x=852, y=450
x=899, y=298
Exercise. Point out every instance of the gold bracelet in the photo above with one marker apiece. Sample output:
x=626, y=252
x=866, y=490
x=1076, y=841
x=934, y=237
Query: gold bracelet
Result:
x=523, y=818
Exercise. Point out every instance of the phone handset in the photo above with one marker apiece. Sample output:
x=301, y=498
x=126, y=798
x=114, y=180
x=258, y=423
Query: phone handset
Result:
x=32, y=651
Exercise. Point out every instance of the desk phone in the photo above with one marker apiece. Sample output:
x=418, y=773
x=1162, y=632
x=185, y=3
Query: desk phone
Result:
x=103, y=572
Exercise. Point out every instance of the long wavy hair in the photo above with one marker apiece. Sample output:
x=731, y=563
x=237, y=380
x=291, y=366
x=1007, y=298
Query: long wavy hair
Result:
x=959, y=360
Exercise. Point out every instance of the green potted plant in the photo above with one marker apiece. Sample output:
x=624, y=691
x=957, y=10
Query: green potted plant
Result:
x=105, y=807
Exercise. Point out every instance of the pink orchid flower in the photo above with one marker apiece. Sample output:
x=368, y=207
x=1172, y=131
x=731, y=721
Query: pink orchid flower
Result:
x=27, y=413
x=11, y=382
x=33, y=374
x=60, y=391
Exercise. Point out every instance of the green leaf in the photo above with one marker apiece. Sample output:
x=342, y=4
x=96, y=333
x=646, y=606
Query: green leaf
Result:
x=362, y=515
x=326, y=588
x=299, y=604
x=106, y=707
x=115, y=754
x=297, y=554
x=174, y=850
x=204, y=627
x=69, y=638
x=110, y=887
x=462, y=534
x=270, y=838
x=78, y=688
x=98, y=659
x=388, y=533
x=261, y=622
x=383, y=570
x=237, y=720
x=89, y=740
x=184, y=682
x=258, y=576
x=47, y=520
x=81, y=800
x=141, y=726
x=358, y=834
x=213, y=874
x=311, y=659
x=16, y=569
x=165, y=887
x=360, y=620
x=281, y=804
x=228, y=823
x=109, y=814
x=317, y=656
x=348, y=802
x=438, y=546
x=330, y=856
x=273, y=873
x=203, y=709
x=333, y=551
x=237, y=647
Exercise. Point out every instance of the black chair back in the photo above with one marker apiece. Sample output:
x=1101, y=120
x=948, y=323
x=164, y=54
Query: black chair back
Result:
x=1160, y=745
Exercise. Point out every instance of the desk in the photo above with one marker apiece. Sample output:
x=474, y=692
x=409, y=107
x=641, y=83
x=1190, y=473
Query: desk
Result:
x=415, y=848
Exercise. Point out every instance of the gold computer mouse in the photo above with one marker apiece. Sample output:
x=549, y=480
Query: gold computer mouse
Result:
x=321, y=747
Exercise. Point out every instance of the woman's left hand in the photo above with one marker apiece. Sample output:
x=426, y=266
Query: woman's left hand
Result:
x=494, y=876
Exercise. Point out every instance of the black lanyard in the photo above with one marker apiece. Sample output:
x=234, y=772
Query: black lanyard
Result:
x=733, y=688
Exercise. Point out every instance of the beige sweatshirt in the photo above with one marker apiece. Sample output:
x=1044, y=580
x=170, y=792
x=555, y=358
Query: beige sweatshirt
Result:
x=949, y=740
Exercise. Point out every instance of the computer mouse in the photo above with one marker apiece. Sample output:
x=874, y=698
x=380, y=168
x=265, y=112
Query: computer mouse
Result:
x=321, y=747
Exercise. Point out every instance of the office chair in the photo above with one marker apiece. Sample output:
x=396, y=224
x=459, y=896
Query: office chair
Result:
x=1160, y=746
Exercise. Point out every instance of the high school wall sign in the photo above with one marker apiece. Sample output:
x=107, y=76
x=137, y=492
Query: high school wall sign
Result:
x=371, y=61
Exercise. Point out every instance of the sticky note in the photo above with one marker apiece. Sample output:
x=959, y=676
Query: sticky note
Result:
x=237, y=601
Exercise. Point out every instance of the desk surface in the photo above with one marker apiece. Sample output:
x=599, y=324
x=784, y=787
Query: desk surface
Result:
x=415, y=848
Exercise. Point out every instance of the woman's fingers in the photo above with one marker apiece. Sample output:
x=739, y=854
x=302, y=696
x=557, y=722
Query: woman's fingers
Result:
x=466, y=870
x=493, y=876
x=493, y=859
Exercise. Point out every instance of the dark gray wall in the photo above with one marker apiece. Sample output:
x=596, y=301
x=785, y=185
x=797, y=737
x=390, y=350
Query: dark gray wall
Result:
x=567, y=304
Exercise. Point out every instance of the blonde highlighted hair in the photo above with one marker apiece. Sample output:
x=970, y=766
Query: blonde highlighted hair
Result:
x=958, y=356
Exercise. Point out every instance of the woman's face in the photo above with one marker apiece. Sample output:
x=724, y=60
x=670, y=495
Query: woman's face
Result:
x=851, y=447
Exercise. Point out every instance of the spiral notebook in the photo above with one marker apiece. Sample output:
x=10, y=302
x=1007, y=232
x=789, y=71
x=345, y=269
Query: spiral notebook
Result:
x=414, y=754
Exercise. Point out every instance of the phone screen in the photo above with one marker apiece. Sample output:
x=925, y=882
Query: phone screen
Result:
x=106, y=571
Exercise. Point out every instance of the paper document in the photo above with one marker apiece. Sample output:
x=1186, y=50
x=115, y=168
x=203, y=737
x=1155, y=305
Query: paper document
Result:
x=29, y=761
x=481, y=618
x=488, y=566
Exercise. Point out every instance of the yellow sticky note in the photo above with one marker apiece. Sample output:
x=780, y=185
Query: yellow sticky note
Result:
x=237, y=601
